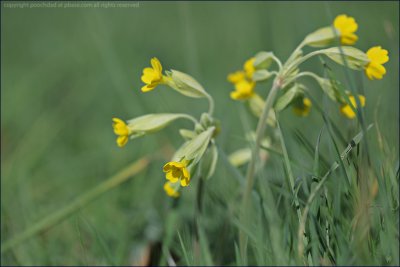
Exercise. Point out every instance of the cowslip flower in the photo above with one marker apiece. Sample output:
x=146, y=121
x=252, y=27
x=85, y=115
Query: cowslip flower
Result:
x=377, y=56
x=171, y=189
x=346, y=109
x=177, y=171
x=302, y=107
x=243, y=90
x=122, y=130
x=242, y=79
x=152, y=76
x=346, y=26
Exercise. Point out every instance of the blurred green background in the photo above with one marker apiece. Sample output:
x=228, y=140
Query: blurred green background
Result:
x=65, y=72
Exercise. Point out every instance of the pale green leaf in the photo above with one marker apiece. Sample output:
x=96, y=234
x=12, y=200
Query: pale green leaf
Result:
x=321, y=37
x=354, y=58
x=153, y=122
x=195, y=148
x=261, y=75
x=291, y=94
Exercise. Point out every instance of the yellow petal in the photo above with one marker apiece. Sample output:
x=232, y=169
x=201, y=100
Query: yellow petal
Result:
x=172, y=164
x=148, y=75
x=171, y=177
x=236, y=77
x=122, y=140
x=235, y=95
x=361, y=98
x=120, y=128
x=348, y=39
x=156, y=64
x=347, y=111
x=245, y=87
x=171, y=191
x=375, y=71
x=147, y=88
x=346, y=26
x=185, y=181
x=185, y=173
x=378, y=55
x=249, y=67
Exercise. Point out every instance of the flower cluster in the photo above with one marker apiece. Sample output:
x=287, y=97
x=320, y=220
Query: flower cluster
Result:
x=199, y=146
x=293, y=92
x=243, y=81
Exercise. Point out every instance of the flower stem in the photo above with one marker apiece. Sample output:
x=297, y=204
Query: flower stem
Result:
x=252, y=164
x=211, y=104
x=189, y=117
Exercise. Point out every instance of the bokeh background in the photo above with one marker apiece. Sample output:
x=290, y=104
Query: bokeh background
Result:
x=65, y=72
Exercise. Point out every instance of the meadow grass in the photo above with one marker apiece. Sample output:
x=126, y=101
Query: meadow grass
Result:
x=67, y=72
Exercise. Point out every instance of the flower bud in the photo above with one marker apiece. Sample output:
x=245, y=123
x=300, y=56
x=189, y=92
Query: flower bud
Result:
x=185, y=84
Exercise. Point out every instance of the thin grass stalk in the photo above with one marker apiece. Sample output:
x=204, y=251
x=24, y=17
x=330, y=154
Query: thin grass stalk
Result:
x=80, y=202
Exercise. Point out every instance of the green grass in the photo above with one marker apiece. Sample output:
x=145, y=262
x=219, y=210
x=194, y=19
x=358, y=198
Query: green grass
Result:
x=67, y=72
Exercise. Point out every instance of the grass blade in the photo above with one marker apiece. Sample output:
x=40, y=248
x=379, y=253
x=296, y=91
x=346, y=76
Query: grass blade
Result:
x=80, y=202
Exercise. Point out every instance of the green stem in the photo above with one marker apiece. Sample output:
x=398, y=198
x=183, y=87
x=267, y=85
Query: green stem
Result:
x=308, y=73
x=252, y=164
x=298, y=48
x=277, y=62
x=289, y=170
x=211, y=104
x=297, y=62
x=187, y=116
x=80, y=202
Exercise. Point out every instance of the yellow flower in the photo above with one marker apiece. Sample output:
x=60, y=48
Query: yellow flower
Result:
x=244, y=85
x=171, y=189
x=249, y=68
x=346, y=26
x=177, y=171
x=236, y=77
x=122, y=130
x=243, y=90
x=377, y=57
x=303, y=107
x=346, y=109
x=152, y=76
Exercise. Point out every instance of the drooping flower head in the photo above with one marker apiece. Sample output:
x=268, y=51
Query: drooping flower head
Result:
x=122, y=130
x=346, y=26
x=177, y=171
x=377, y=57
x=171, y=189
x=302, y=107
x=346, y=109
x=152, y=76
